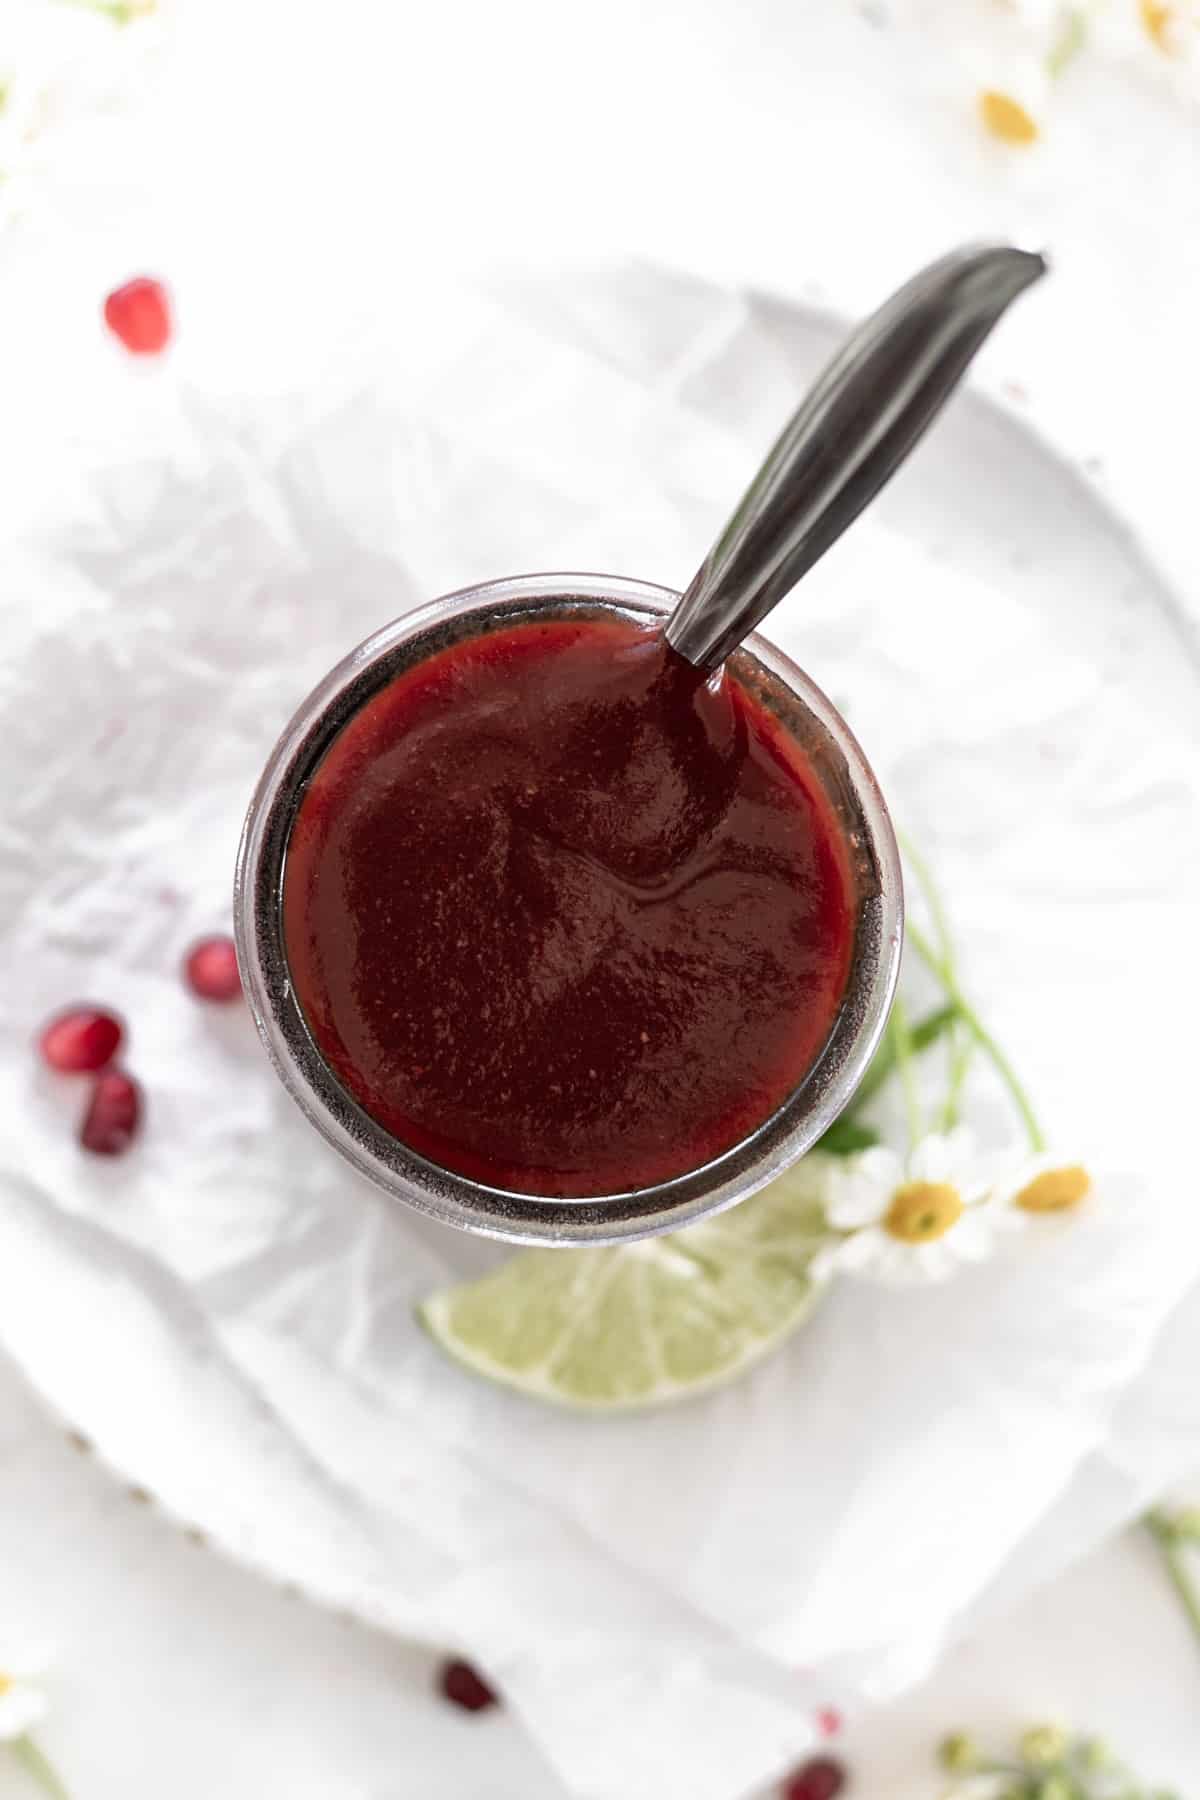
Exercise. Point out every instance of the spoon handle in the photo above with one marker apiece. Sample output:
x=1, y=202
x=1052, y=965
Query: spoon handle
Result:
x=853, y=430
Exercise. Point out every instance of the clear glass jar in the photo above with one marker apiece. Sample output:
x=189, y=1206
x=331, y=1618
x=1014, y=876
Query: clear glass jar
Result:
x=456, y=1199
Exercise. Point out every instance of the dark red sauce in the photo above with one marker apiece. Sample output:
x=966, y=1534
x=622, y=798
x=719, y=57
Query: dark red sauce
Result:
x=564, y=917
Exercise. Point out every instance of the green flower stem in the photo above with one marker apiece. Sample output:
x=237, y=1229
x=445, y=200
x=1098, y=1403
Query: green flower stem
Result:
x=978, y=1030
x=1069, y=43
x=38, y=1765
x=962, y=1048
x=119, y=11
x=925, y=1032
x=1175, y=1560
x=962, y=1043
x=902, y=1051
x=933, y=900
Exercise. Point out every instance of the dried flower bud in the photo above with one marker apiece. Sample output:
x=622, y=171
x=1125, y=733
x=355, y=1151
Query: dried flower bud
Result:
x=1042, y=1746
x=959, y=1753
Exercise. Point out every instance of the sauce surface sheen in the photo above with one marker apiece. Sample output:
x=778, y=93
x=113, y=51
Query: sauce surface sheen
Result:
x=562, y=916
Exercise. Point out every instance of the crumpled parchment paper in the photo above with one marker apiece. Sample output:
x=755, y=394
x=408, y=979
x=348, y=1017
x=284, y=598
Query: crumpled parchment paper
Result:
x=227, y=1310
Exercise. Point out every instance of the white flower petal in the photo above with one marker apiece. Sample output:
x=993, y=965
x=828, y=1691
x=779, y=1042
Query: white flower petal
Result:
x=874, y=1255
x=862, y=1249
x=944, y=1156
x=926, y=1160
x=937, y=1262
x=21, y=1708
x=1006, y=1220
x=890, y=1264
x=880, y=1164
x=930, y=1159
x=1018, y=1172
x=825, y=1265
x=1042, y=15
x=853, y=1200
x=860, y=1192
x=30, y=1662
x=972, y=1238
x=910, y=1265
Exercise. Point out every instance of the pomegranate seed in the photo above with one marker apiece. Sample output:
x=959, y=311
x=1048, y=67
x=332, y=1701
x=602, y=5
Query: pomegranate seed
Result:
x=114, y=1110
x=829, y=1721
x=465, y=1687
x=210, y=970
x=819, y=1779
x=140, y=315
x=81, y=1040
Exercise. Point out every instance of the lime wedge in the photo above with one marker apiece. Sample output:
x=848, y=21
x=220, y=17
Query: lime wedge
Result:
x=644, y=1323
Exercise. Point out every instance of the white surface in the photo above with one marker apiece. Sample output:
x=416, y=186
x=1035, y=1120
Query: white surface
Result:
x=906, y=182
x=179, y=1674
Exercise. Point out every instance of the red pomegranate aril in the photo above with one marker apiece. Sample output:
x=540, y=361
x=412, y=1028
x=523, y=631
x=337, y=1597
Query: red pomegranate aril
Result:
x=114, y=1113
x=211, y=971
x=139, y=313
x=819, y=1779
x=81, y=1040
x=464, y=1686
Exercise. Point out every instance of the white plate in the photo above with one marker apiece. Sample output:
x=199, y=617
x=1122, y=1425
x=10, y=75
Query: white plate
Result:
x=228, y=1316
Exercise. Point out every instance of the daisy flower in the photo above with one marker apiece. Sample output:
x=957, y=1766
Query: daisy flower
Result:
x=1043, y=1183
x=1014, y=107
x=23, y=1700
x=910, y=1218
x=24, y=1703
x=1014, y=95
x=1169, y=24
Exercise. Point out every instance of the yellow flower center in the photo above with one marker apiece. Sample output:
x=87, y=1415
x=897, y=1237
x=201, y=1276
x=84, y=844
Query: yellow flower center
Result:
x=1006, y=118
x=923, y=1210
x=1057, y=1190
x=1159, y=20
x=6, y=1682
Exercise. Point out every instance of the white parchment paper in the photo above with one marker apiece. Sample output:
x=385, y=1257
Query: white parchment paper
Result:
x=227, y=1311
